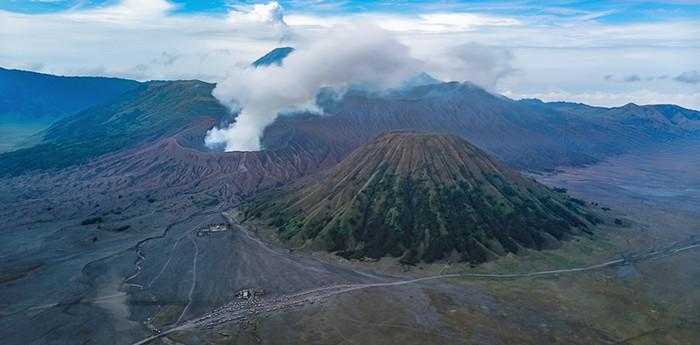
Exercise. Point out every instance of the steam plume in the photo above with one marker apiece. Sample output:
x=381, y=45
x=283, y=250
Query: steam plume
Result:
x=344, y=56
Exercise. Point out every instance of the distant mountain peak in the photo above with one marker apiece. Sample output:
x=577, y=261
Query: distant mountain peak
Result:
x=274, y=57
x=420, y=79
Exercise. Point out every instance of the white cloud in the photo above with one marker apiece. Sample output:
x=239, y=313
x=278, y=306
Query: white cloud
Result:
x=421, y=23
x=614, y=99
x=443, y=22
x=126, y=39
x=126, y=11
x=688, y=77
x=559, y=55
x=270, y=13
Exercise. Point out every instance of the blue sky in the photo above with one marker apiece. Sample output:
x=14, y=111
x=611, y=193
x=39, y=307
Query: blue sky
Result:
x=610, y=11
x=598, y=52
x=614, y=11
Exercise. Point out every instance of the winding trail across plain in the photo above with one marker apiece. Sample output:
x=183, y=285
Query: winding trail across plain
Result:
x=237, y=311
x=194, y=280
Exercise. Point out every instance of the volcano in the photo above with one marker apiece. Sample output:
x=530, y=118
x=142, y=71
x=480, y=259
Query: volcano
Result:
x=422, y=197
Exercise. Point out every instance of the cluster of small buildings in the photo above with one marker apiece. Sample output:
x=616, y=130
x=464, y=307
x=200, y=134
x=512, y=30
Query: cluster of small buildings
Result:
x=216, y=227
x=249, y=293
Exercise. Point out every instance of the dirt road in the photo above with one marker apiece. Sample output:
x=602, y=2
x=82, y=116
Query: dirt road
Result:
x=240, y=310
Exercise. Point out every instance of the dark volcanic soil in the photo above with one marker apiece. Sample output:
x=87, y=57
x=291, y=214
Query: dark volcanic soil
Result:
x=101, y=276
x=97, y=267
x=652, y=302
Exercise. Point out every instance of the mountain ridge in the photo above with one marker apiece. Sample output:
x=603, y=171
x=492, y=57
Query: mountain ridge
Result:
x=525, y=134
x=499, y=125
x=59, y=95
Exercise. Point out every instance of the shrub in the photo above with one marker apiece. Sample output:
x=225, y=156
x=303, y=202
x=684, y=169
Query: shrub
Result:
x=89, y=221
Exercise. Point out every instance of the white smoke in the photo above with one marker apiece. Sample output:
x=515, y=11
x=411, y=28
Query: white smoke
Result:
x=344, y=56
x=479, y=64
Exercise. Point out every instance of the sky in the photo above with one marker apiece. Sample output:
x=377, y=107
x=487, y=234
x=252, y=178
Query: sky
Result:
x=597, y=52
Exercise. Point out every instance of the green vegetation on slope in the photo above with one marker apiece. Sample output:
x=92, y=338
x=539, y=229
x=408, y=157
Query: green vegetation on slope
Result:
x=28, y=95
x=151, y=111
x=422, y=197
x=16, y=132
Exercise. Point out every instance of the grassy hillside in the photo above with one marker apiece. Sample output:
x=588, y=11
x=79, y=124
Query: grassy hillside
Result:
x=151, y=111
x=422, y=197
x=30, y=95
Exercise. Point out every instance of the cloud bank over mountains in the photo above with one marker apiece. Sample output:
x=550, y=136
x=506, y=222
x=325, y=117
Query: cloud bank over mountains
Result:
x=689, y=77
x=345, y=54
x=560, y=52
